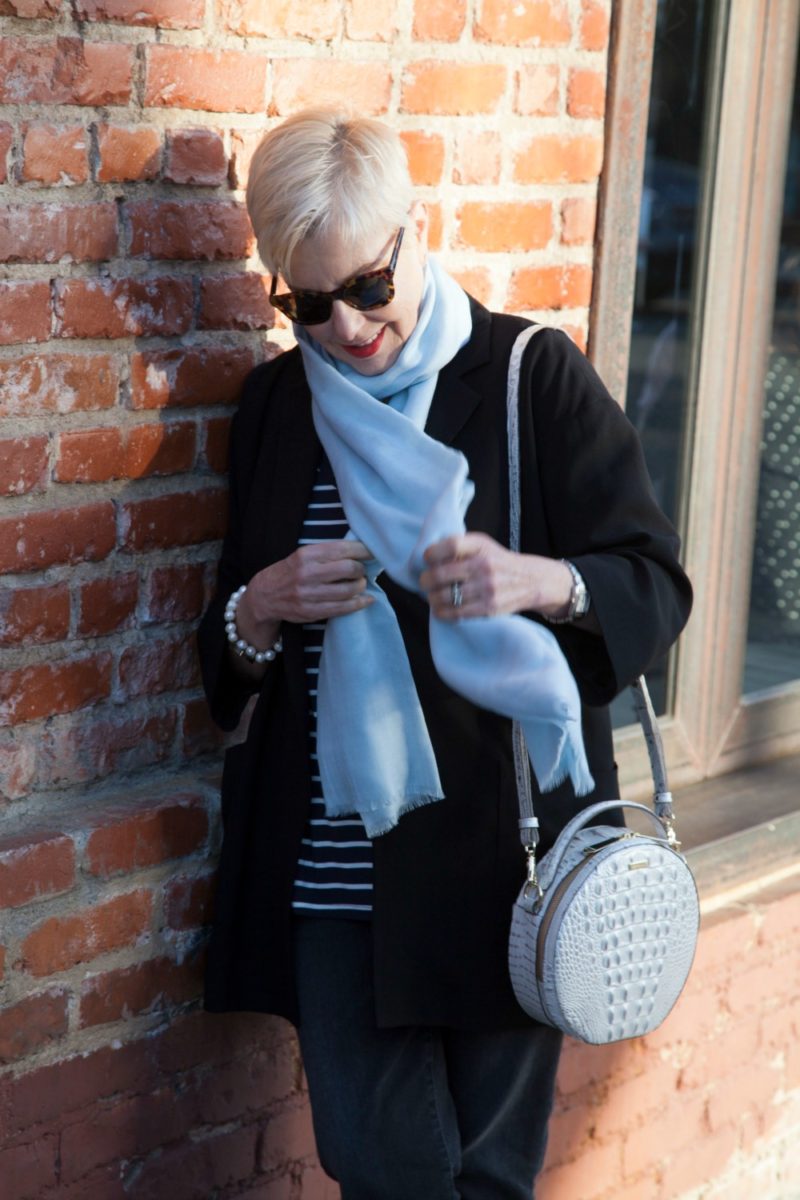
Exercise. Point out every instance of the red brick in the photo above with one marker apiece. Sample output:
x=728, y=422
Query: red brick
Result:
x=752, y=1090
x=435, y=226
x=524, y=22
x=107, y=604
x=50, y=233
x=188, y=902
x=30, y=9
x=23, y=465
x=477, y=158
x=63, y=942
x=6, y=141
x=477, y=281
x=66, y=535
x=298, y=83
x=125, y=1129
x=30, y=1024
x=168, y=14
x=18, y=764
x=218, y=434
x=538, y=90
x=96, y=744
x=34, y=614
x=42, y=689
x=439, y=20
x=550, y=287
x=128, y=153
x=586, y=94
x=425, y=153
x=176, y=592
x=578, y=217
x=594, y=25
x=115, y=308
x=289, y=1136
x=195, y=156
x=89, y=456
x=235, y=302
x=149, y=986
x=188, y=378
x=27, y=1169
x=30, y=867
x=705, y=1159
x=314, y=20
x=371, y=20
x=196, y=1168
x=24, y=312
x=157, y=449
x=243, y=144
x=214, y=81
x=67, y=71
x=450, y=88
x=127, y=840
x=57, y=383
x=560, y=160
x=595, y=1173
x=501, y=227
x=49, y=1093
x=212, y=230
x=177, y=519
x=55, y=154
x=164, y=666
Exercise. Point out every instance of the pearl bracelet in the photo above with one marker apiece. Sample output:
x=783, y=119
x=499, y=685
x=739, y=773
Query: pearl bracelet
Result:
x=243, y=648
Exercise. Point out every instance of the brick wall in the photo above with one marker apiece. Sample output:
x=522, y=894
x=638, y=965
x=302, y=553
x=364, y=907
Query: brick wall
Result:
x=131, y=306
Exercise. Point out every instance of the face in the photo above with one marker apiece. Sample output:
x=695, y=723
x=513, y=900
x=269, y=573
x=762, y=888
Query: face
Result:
x=368, y=341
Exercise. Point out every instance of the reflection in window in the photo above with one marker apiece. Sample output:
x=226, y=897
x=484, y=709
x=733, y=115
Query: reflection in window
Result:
x=667, y=251
x=773, y=638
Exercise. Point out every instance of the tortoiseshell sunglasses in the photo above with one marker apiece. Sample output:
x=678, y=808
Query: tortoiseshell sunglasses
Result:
x=373, y=289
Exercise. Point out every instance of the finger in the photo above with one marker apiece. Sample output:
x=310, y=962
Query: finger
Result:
x=343, y=548
x=444, y=551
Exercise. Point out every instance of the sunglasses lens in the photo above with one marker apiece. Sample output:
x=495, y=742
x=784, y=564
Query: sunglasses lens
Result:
x=369, y=292
x=311, y=310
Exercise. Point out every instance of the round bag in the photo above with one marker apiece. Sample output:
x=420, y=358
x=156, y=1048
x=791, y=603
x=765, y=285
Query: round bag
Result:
x=603, y=936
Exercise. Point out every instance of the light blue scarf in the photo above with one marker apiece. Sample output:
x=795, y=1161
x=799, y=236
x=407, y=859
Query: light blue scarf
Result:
x=401, y=491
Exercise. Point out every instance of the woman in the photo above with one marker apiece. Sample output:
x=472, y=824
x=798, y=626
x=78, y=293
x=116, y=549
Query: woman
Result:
x=371, y=853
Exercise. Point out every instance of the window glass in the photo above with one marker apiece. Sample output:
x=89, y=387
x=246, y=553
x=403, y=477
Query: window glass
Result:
x=773, y=636
x=664, y=297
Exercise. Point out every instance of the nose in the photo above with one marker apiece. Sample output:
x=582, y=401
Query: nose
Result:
x=347, y=323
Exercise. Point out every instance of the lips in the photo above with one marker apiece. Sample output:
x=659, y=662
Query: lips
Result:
x=366, y=349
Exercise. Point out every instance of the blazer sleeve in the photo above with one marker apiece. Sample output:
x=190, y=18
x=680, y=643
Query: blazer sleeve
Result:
x=227, y=691
x=602, y=514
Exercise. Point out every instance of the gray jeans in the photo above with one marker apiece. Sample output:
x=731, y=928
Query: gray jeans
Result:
x=415, y=1113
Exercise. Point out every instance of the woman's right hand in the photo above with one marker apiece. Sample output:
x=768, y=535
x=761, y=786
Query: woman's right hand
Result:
x=326, y=579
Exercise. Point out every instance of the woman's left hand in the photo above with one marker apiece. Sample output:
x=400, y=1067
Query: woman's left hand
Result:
x=493, y=579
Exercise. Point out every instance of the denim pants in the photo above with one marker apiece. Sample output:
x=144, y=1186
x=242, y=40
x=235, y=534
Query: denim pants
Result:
x=415, y=1113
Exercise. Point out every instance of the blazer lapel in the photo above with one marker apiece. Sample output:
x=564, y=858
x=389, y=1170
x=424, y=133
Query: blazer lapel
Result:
x=455, y=399
x=284, y=476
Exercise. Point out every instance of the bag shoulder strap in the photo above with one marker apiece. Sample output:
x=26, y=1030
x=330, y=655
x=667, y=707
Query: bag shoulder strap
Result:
x=662, y=798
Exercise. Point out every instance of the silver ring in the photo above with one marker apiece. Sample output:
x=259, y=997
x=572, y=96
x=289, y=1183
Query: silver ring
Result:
x=456, y=593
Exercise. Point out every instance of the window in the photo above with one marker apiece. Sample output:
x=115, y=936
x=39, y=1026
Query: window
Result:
x=699, y=258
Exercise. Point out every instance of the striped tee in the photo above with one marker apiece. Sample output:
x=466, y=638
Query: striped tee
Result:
x=334, y=870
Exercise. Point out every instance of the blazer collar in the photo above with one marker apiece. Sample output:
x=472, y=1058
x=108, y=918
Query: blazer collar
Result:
x=455, y=399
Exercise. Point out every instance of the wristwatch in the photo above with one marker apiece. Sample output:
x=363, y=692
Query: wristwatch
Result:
x=579, y=598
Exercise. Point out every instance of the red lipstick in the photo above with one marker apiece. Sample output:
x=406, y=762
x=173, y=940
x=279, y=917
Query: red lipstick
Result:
x=366, y=351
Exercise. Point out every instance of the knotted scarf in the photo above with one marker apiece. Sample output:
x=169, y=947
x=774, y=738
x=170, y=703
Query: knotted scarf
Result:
x=401, y=491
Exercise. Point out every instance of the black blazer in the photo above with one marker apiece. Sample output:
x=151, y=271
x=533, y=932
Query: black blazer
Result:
x=446, y=876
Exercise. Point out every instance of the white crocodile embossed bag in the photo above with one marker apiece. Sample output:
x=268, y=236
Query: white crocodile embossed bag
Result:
x=604, y=929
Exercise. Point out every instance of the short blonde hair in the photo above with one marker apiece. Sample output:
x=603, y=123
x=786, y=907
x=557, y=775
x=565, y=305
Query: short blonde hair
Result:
x=322, y=172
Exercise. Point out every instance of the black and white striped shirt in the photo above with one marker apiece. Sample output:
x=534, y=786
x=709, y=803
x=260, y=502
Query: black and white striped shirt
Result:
x=334, y=870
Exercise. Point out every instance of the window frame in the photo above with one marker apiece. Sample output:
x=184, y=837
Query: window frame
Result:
x=710, y=728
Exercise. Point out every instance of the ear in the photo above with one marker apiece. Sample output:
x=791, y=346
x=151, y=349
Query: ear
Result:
x=419, y=216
